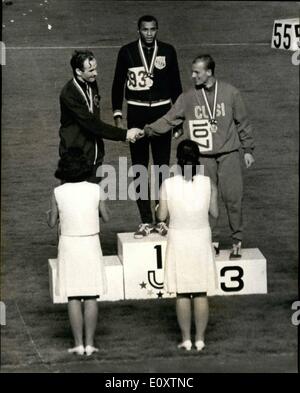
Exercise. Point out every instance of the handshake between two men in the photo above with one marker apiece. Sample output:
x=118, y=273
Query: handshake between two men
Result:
x=133, y=134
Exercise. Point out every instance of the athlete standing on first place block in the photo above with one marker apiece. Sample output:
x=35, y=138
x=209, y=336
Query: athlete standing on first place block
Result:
x=149, y=68
x=214, y=115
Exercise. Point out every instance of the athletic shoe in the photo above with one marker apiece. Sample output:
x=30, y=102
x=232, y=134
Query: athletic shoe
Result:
x=217, y=250
x=143, y=230
x=216, y=246
x=236, y=251
x=187, y=345
x=161, y=228
x=199, y=345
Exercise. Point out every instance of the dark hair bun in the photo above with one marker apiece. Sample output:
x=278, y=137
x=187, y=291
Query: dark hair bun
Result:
x=188, y=152
x=188, y=158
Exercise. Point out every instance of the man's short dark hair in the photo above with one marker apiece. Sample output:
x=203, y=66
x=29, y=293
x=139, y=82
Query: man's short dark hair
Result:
x=147, y=18
x=79, y=57
x=208, y=61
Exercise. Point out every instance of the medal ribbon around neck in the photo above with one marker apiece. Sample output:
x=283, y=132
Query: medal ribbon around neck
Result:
x=149, y=70
x=89, y=104
x=212, y=116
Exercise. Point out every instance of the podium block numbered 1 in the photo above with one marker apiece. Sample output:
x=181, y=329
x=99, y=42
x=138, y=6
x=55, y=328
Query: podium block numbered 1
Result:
x=143, y=264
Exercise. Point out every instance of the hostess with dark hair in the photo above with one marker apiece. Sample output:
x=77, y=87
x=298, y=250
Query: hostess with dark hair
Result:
x=188, y=158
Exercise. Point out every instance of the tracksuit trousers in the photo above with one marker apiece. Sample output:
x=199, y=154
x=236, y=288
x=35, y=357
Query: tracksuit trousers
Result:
x=225, y=170
x=139, y=116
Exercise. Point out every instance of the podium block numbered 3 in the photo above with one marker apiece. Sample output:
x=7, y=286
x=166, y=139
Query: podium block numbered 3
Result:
x=244, y=276
x=137, y=272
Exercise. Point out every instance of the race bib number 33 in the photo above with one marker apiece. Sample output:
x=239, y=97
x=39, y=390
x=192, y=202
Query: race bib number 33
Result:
x=200, y=133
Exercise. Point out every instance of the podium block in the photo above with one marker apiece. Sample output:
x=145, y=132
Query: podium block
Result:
x=143, y=264
x=52, y=266
x=115, y=279
x=114, y=274
x=247, y=275
x=138, y=271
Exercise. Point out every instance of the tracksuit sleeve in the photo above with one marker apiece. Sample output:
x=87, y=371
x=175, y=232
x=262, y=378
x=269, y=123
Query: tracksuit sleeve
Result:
x=173, y=118
x=89, y=122
x=176, y=87
x=242, y=122
x=117, y=93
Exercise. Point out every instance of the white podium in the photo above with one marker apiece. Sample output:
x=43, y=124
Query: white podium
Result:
x=52, y=267
x=244, y=276
x=137, y=272
x=143, y=264
x=114, y=274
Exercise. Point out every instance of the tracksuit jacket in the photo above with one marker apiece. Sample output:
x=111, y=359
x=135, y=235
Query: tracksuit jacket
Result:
x=234, y=128
x=129, y=69
x=82, y=127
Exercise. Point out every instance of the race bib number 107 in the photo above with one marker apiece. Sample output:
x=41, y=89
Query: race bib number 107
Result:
x=200, y=133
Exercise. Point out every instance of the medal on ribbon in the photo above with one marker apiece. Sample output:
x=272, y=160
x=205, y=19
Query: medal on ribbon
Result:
x=212, y=114
x=213, y=126
x=148, y=69
x=149, y=81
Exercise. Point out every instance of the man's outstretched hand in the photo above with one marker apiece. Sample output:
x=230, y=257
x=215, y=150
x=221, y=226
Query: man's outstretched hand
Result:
x=177, y=133
x=133, y=134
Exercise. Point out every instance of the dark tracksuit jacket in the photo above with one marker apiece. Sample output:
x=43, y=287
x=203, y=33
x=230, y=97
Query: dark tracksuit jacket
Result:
x=81, y=126
x=146, y=103
x=130, y=70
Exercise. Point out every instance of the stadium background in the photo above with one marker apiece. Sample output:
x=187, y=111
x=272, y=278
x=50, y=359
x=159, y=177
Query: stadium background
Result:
x=246, y=333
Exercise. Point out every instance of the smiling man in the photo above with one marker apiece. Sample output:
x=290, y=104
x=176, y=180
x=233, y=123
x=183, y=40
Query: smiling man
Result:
x=149, y=70
x=81, y=125
x=214, y=115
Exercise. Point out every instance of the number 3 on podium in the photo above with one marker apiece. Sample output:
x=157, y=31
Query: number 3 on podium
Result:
x=229, y=278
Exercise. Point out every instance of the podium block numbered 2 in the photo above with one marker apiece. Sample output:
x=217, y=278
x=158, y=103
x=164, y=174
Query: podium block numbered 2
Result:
x=114, y=274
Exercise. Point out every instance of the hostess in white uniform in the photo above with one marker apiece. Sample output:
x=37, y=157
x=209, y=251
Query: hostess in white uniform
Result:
x=81, y=270
x=189, y=264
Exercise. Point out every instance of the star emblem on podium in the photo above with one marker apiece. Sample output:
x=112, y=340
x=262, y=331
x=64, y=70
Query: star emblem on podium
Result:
x=159, y=294
x=143, y=285
x=150, y=292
